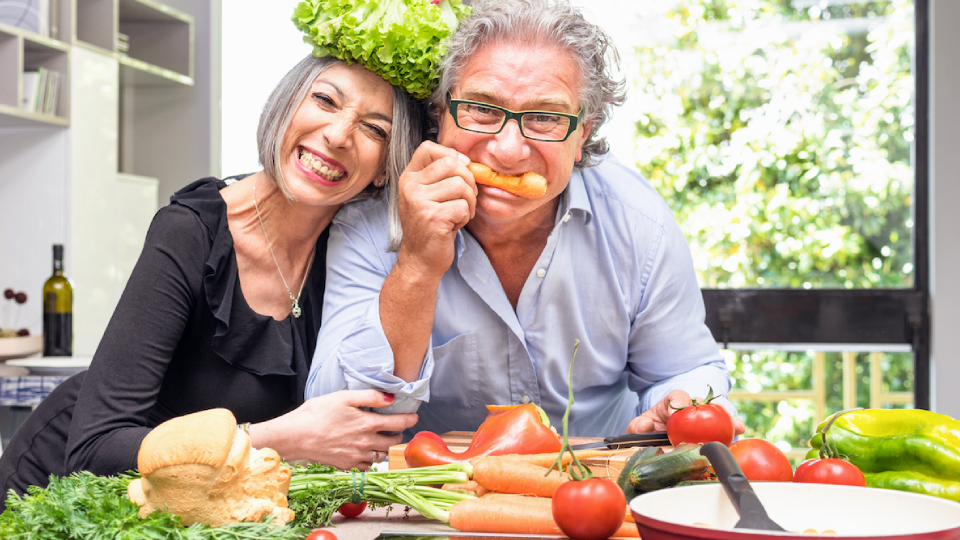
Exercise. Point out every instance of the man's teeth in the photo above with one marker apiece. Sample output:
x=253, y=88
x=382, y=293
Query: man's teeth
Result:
x=309, y=160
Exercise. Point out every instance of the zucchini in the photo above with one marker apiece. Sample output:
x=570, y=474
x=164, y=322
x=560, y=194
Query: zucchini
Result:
x=639, y=457
x=684, y=463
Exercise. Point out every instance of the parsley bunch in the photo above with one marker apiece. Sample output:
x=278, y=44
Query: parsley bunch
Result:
x=84, y=506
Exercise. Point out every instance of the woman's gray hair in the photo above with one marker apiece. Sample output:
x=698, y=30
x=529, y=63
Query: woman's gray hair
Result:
x=542, y=22
x=406, y=131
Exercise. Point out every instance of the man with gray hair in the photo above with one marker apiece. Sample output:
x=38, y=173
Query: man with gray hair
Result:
x=483, y=298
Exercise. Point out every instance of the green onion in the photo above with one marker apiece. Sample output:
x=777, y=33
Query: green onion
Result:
x=316, y=491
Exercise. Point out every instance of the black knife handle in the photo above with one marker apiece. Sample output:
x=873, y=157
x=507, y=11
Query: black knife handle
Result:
x=652, y=438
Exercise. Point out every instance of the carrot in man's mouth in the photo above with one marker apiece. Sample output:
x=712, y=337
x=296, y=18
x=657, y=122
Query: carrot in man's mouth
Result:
x=530, y=185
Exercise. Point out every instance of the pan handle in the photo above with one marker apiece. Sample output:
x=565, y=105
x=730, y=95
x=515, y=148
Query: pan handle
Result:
x=728, y=472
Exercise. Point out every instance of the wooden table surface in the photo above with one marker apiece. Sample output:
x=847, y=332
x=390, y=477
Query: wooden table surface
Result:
x=369, y=524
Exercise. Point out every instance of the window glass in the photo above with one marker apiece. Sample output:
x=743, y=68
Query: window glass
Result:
x=780, y=132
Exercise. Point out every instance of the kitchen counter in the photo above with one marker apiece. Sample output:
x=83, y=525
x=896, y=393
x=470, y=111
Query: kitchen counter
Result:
x=369, y=524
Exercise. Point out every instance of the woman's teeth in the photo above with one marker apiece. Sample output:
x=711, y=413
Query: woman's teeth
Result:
x=309, y=160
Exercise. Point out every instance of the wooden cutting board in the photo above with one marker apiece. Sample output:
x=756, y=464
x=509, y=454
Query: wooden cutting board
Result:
x=458, y=441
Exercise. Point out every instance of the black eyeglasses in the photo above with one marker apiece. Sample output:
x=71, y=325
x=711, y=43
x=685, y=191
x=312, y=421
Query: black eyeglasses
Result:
x=537, y=125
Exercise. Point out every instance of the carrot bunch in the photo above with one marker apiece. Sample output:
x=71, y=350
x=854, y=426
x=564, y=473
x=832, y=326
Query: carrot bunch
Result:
x=515, y=495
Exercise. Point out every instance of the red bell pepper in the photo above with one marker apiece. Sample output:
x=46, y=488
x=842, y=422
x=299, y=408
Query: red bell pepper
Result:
x=524, y=429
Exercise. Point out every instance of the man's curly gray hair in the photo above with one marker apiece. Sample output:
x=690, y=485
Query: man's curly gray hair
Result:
x=542, y=22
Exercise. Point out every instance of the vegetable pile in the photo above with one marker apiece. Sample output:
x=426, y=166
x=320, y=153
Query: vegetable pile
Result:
x=402, y=40
x=84, y=505
x=527, y=494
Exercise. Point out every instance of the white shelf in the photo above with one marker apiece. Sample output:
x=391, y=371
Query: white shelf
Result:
x=17, y=117
x=25, y=51
x=135, y=72
x=160, y=41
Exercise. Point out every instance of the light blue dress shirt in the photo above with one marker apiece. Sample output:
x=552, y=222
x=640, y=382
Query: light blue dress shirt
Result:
x=616, y=274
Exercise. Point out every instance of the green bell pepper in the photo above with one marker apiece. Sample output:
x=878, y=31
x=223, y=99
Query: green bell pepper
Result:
x=890, y=422
x=915, y=482
x=910, y=450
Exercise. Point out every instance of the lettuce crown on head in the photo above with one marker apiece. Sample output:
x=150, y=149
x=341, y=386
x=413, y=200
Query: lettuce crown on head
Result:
x=401, y=40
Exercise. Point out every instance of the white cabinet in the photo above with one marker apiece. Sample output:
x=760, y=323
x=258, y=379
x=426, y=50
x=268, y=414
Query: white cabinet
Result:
x=89, y=174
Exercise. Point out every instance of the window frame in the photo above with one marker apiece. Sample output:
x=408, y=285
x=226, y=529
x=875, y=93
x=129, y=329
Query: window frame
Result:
x=849, y=316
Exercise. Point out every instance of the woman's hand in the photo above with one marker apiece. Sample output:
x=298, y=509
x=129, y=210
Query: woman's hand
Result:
x=333, y=430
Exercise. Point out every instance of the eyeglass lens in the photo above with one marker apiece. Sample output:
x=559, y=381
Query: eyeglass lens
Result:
x=536, y=125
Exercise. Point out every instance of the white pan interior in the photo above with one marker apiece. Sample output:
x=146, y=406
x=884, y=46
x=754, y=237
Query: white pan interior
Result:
x=846, y=510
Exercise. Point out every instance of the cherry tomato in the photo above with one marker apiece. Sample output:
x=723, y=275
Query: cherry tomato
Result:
x=829, y=471
x=591, y=509
x=701, y=422
x=761, y=460
x=352, y=510
x=321, y=534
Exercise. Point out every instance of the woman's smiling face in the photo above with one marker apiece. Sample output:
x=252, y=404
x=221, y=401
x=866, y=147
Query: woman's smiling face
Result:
x=336, y=143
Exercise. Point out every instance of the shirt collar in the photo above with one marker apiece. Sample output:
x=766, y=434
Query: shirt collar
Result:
x=575, y=200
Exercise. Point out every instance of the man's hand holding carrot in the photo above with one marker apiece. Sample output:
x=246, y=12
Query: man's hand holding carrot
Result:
x=437, y=197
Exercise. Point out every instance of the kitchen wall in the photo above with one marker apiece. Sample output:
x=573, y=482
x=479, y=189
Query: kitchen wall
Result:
x=944, y=199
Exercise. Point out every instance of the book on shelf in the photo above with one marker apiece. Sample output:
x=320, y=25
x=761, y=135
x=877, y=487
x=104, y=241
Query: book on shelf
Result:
x=52, y=91
x=30, y=81
x=41, y=90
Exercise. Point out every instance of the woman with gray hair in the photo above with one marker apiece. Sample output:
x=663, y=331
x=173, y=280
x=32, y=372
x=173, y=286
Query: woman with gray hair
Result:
x=225, y=302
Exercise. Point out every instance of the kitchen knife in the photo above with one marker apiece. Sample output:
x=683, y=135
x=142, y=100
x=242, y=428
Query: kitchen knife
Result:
x=416, y=535
x=652, y=438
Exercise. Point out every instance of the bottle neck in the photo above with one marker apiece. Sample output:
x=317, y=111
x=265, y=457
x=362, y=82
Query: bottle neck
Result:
x=58, y=260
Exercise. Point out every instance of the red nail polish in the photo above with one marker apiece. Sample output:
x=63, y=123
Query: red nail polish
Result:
x=388, y=396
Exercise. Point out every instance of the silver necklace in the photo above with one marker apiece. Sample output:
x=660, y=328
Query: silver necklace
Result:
x=295, y=310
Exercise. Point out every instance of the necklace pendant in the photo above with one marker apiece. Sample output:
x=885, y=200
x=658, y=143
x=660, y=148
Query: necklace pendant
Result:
x=296, y=310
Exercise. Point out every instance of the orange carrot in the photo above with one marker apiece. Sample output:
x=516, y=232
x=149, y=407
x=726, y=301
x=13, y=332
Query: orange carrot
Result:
x=515, y=514
x=504, y=474
x=627, y=529
x=499, y=513
x=549, y=458
x=530, y=184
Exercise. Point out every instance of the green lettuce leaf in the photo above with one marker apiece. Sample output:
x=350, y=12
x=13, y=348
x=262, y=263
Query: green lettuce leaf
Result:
x=402, y=40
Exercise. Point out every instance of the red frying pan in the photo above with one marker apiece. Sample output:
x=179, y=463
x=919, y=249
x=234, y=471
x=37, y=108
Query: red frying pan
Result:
x=837, y=512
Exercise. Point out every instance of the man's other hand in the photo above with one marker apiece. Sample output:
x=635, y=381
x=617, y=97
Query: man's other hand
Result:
x=656, y=418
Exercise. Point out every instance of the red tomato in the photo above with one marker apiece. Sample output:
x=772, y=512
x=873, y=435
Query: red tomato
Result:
x=352, y=510
x=591, y=509
x=761, y=460
x=701, y=423
x=321, y=534
x=829, y=471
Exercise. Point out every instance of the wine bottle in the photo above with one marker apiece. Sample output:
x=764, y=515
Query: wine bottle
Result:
x=57, y=310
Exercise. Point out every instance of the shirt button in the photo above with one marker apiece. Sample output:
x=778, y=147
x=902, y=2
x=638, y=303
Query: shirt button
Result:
x=566, y=218
x=525, y=399
x=541, y=272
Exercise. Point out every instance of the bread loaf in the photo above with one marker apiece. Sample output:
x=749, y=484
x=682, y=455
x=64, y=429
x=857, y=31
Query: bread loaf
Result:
x=200, y=467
